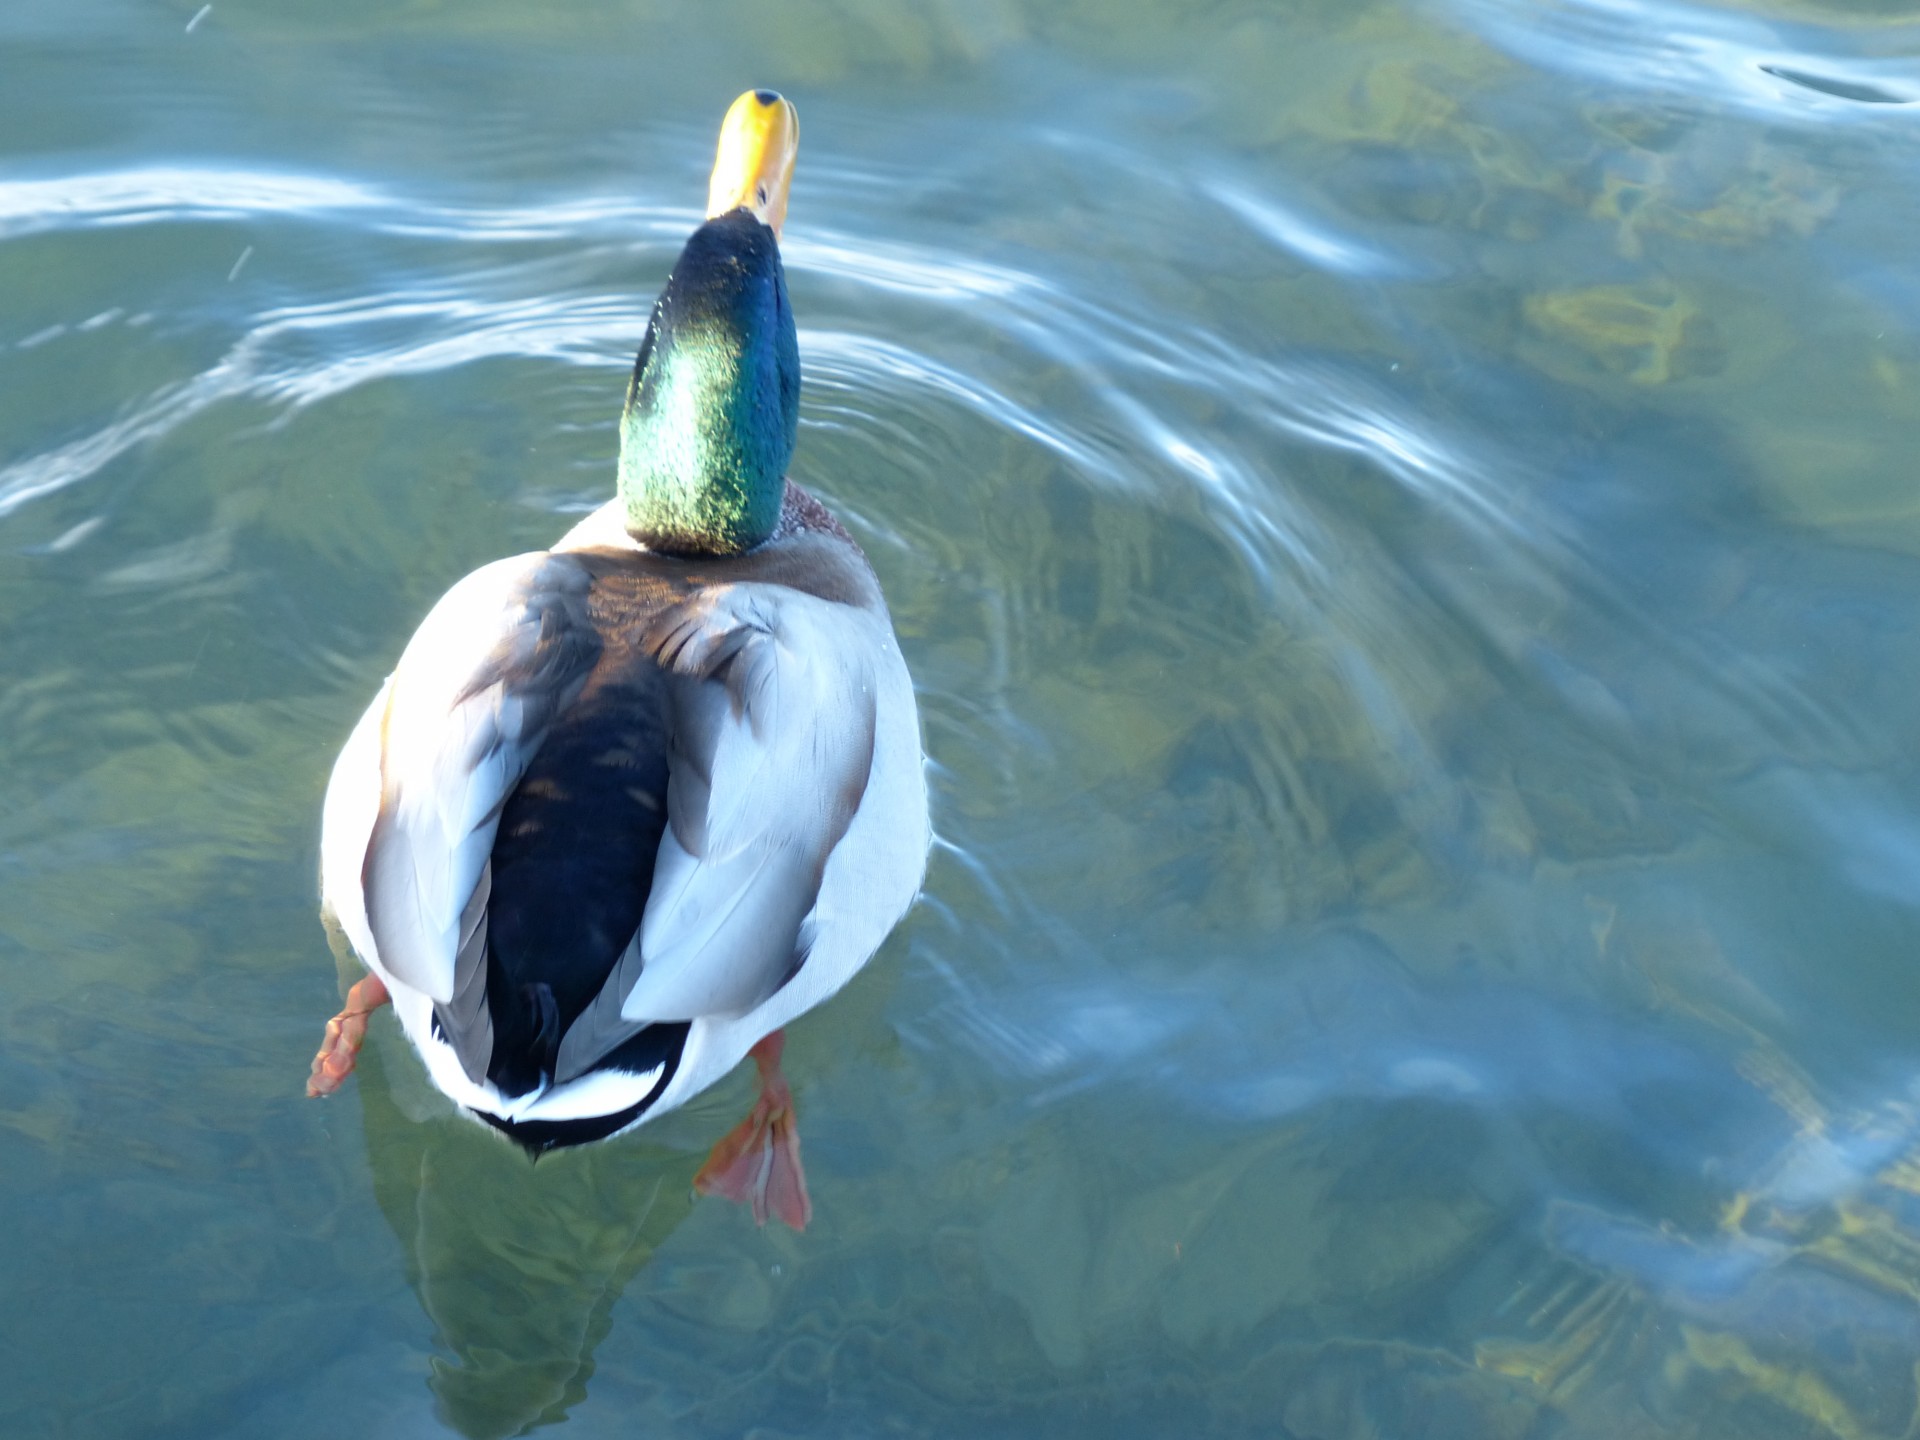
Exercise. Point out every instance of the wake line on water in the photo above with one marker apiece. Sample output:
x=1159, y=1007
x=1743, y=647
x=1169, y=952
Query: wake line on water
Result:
x=578, y=334
x=172, y=194
x=541, y=326
x=1154, y=382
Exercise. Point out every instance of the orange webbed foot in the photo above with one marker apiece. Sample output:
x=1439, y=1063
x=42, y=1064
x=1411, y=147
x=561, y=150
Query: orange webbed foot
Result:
x=346, y=1032
x=757, y=1163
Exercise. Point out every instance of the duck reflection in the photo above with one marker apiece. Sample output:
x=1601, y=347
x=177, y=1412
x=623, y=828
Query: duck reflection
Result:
x=518, y=1264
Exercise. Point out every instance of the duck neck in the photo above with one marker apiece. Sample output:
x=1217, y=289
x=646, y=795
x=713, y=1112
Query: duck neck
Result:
x=712, y=411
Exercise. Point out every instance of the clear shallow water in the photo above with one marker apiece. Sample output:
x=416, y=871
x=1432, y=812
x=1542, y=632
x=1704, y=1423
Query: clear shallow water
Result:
x=1401, y=519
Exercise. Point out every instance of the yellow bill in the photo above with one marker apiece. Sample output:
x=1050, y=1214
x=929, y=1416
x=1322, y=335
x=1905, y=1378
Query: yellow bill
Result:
x=754, y=165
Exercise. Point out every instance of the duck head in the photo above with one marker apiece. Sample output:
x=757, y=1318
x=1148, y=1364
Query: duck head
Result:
x=714, y=404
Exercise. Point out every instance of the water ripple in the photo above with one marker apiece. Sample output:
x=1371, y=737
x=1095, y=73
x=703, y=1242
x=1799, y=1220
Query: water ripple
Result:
x=149, y=195
x=1784, y=71
x=1311, y=240
x=1169, y=415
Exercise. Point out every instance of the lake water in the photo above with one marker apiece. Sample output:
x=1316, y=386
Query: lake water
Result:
x=1403, y=520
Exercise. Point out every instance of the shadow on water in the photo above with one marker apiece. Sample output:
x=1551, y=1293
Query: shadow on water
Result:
x=517, y=1265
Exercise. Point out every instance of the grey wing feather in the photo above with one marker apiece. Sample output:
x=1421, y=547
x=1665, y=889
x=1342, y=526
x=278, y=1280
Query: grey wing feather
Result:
x=500, y=656
x=772, y=735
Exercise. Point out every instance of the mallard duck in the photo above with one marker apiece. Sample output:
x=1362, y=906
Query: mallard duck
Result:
x=627, y=806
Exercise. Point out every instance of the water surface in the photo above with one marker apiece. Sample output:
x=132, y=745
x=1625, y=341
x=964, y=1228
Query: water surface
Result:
x=1401, y=519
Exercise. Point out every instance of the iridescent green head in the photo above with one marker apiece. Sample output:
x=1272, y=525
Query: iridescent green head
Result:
x=714, y=404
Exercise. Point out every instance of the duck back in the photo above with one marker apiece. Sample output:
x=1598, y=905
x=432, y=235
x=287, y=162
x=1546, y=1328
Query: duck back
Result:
x=574, y=855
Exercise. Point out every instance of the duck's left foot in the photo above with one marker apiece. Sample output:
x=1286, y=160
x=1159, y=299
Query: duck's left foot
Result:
x=758, y=1161
x=346, y=1032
